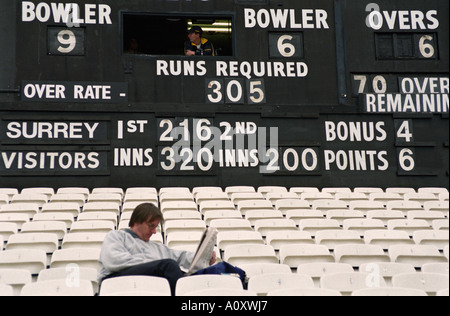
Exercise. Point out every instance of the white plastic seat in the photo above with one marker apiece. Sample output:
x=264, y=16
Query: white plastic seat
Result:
x=231, y=225
x=204, y=282
x=64, y=207
x=367, y=191
x=387, y=238
x=255, y=269
x=92, y=227
x=435, y=191
x=333, y=238
x=389, y=291
x=7, y=229
x=290, y=204
x=310, y=197
x=84, y=257
x=363, y=225
x=32, y=260
x=314, y=225
x=47, y=242
x=101, y=207
x=177, y=239
x=421, y=197
x=212, y=215
x=72, y=274
x=428, y=282
x=247, y=254
x=442, y=268
x=141, y=198
x=438, y=238
x=6, y=290
x=350, y=196
x=346, y=283
x=325, y=205
x=387, y=269
x=314, y=292
x=274, y=197
x=38, y=199
x=300, y=254
x=366, y=206
x=441, y=206
x=249, y=205
x=211, y=196
x=341, y=215
x=16, y=278
x=10, y=192
x=357, y=255
x=441, y=224
x=98, y=216
x=49, y=192
x=317, y=270
x=404, y=206
x=22, y=208
x=401, y=191
x=227, y=238
x=264, y=283
x=385, y=216
x=149, y=286
x=299, y=215
x=239, y=189
x=236, y=198
x=184, y=226
x=278, y=239
x=168, y=197
x=416, y=255
x=428, y=216
x=99, y=191
x=271, y=189
x=58, y=288
x=221, y=292
x=14, y=218
x=216, y=206
x=255, y=215
x=83, y=240
x=182, y=215
x=56, y=227
x=74, y=190
x=67, y=218
x=385, y=197
x=264, y=226
x=408, y=225
x=78, y=199
x=178, y=206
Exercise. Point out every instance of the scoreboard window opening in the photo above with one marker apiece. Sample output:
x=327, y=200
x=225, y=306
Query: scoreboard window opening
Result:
x=148, y=34
x=396, y=46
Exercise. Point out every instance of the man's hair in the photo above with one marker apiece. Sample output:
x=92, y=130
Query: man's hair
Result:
x=145, y=212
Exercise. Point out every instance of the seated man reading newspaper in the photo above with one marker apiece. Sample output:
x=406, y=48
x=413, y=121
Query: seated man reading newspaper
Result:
x=130, y=252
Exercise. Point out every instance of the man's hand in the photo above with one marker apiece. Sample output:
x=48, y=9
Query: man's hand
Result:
x=190, y=53
x=213, y=259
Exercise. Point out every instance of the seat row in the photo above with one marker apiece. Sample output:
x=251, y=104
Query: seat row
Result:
x=274, y=284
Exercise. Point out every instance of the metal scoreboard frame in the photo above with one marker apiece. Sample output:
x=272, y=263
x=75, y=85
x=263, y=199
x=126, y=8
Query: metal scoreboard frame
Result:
x=322, y=93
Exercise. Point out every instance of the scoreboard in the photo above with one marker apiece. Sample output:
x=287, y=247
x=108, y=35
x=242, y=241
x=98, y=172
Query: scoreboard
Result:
x=322, y=93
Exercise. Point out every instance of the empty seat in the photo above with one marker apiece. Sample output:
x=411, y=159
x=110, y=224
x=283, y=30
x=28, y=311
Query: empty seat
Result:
x=56, y=227
x=247, y=254
x=278, y=239
x=363, y=225
x=262, y=284
x=325, y=205
x=38, y=199
x=78, y=199
x=389, y=291
x=304, y=292
x=319, y=269
x=408, y=225
x=299, y=215
x=404, y=206
x=385, y=197
x=274, y=197
x=16, y=278
x=300, y=254
x=184, y=226
x=58, y=288
x=32, y=260
x=216, y=206
x=255, y=215
x=22, y=208
x=421, y=197
x=236, y=198
x=341, y=215
x=211, y=196
x=333, y=238
x=387, y=269
x=178, y=206
x=178, y=239
x=401, y=191
x=231, y=225
x=416, y=255
x=118, y=191
x=133, y=285
x=92, y=227
x=357, y=255
x=204, y=282
x=84, y=257
x=98, y=216
x=6, y=230
x=83, y=240
x=315, y=196
x=428, y=282
x=249, y=205
x=287, y=205
x=101, y=207
x=385, y=216
x=366, y=206
x=239, y=189
x=67, y=218
x=47, y=242
x=212, y=215
x=428, y=216
x=227, y=238
x=64, y=207
x=346, y=283
x=442, y=268
x=387, y=238
x=438, y=238
x=314, y=225
x=6, y=290
x=68, y=190
x=255, y=269
x=14, y=218
x=264, y=226
x=72, y=274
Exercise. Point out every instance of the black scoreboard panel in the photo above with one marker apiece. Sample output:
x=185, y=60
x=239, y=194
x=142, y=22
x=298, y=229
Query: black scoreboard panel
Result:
x=299, y=93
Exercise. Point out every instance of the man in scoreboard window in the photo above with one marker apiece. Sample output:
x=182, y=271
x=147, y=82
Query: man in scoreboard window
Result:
x=197, y=45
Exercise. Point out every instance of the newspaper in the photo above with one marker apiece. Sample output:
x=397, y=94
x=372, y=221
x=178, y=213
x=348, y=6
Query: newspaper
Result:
x=204, y=251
